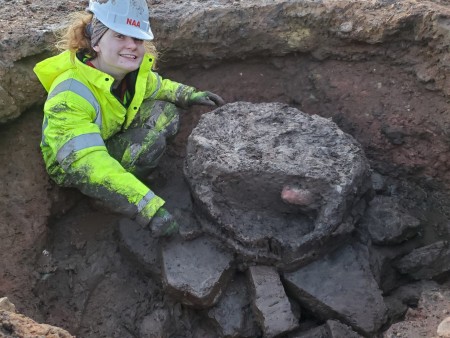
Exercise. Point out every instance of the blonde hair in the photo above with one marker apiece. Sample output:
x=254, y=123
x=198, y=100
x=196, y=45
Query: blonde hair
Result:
x=73, y=36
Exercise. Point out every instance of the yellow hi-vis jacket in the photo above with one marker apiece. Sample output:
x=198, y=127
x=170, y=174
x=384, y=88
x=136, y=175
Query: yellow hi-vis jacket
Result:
x=80, y=113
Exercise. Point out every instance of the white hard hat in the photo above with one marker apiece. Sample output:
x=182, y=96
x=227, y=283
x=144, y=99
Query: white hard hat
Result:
x=127, y=17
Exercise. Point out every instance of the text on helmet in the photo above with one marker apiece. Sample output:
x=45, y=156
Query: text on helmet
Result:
x=132, y=22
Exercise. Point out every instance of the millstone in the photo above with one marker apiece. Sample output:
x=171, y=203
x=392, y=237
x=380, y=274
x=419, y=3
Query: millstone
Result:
x=274, y=183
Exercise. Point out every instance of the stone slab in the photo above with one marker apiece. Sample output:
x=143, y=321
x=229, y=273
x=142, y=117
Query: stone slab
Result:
x=340, y=286
x=426, y=262
x=270, y=302
x=233, y=314
x=141, y=246
x=312, y=174
x=196, y=272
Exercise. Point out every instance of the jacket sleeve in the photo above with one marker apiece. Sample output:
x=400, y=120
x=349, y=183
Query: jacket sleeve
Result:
x=168, y=90
x=73, y=142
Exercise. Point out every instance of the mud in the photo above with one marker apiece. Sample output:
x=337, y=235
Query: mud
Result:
x=84, y=227
x=386, y=92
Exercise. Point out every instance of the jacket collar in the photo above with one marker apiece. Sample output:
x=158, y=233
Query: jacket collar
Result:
x=50, y=69
x=103, y=80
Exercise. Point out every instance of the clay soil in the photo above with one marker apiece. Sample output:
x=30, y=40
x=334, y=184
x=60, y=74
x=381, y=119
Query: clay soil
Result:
x=89, y=285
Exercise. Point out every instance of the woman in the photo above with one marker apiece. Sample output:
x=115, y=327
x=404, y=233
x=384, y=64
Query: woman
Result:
x=108, y=115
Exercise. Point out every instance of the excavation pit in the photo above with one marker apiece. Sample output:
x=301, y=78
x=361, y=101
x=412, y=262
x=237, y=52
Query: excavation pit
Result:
x=377, y=69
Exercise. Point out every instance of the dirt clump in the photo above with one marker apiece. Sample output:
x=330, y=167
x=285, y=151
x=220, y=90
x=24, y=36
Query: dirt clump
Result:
x=13, y=324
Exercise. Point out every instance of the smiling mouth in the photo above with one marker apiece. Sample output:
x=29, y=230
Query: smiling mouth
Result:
x=129, y=56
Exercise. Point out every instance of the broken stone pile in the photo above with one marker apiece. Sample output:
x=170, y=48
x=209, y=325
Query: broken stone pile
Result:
x=288, y=226
x=244, y=162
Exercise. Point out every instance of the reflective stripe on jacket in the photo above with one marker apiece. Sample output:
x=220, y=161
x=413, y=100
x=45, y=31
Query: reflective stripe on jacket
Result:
x=81, y=112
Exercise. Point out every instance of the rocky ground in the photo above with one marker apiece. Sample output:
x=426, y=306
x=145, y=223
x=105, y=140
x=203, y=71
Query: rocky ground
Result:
x=378, y=69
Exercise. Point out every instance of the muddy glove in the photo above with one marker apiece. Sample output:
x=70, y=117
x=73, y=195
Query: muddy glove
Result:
x=189, y=96
x=163, y=224
x=205, y=99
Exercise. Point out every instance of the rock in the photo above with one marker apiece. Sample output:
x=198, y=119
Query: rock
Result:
x=6, y=305
x=17, y=325
x=426, y=262
x=14, y=102
x=381, y=265
x=312, y=174
x=399, y=300
x=196, y=272
x=338, y=330
x=378, y=182
x=173, y=188
x=404, y=297
x=382, y=259
x=233, y=314
x=396, y=309
x=346, y=27
x=270, y=302
x=155, y=325
x=340, y=286
x=317, y=332
x=141, y=246
x=395, y=135
x=443, y=329
x=387, y=222
x=331, y=329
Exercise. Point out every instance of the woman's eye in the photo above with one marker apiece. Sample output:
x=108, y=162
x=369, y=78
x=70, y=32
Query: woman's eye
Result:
x=138, y=40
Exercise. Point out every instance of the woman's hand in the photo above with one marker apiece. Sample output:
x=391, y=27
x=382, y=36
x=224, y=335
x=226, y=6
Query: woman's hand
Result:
x=205, y=99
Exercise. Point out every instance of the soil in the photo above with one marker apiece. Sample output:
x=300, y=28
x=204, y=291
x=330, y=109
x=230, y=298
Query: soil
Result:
x=85, y=234
x=18, y=16
x=89, y=287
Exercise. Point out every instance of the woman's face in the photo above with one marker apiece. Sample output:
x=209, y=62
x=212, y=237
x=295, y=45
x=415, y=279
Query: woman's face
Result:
x=117, y=54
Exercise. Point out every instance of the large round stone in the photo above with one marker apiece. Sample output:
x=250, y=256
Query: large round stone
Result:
x=276, y=184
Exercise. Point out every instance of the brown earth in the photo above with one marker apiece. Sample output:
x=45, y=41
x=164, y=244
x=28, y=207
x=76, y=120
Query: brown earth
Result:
x=401, y=120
